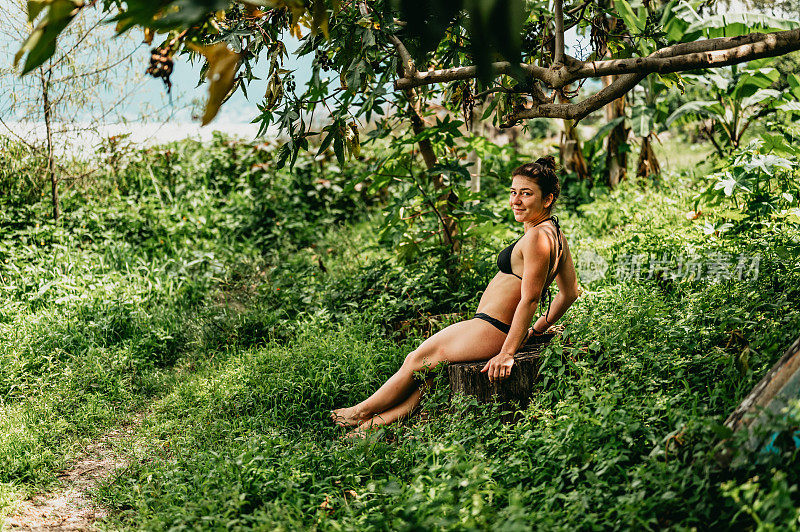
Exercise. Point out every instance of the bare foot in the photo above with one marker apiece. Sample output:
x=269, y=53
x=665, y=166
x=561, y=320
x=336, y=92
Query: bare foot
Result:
x=347, y=417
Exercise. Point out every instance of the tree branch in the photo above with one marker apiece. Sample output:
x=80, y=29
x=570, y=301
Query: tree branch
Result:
x=409, y=69
x=707, y=53
x=710, y=53
x=558, y=57
x=577, y=111
x=549, y=76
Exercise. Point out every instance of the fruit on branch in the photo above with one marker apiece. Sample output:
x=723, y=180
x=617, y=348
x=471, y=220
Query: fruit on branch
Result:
x=161, y=65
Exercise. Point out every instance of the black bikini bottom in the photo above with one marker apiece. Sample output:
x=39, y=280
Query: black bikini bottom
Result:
x=494, y=321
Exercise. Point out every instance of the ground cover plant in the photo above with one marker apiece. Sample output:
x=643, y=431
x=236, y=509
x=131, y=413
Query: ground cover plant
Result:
x=236, y=304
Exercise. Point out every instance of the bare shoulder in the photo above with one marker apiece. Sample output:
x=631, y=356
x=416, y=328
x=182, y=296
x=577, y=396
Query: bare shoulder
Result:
x=537, y=241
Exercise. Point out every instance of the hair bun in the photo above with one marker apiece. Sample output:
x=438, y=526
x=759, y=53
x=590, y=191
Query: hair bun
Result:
x=548, y=161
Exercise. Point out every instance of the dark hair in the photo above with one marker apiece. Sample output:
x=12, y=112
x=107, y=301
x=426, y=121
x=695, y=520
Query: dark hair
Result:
x=543, y=171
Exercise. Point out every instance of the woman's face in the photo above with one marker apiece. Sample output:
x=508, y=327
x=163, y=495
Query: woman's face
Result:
x=526, y=199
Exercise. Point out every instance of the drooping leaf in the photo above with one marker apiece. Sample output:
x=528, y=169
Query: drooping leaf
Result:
x=35, y=7
x=700, y=108
x=222, y=66
x=759, y=97
x=320, y=17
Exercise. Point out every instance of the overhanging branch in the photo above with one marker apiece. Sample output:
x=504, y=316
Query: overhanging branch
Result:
x=711, y=53
x=577, y=111
x=707, y=53
x=470, y=72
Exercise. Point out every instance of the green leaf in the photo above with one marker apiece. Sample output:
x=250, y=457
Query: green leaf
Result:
x=326, y=142
x=731, y=24
x=727, y=183
x=794, y=85
x=41, y=43
x=779, y=143
x=767, y=163
x=760, y=97
x=35, y=7
x=628, y=16
x=490, y=108
x=721, y=431
x=642, y=120
x=789, y=107
x=701, y=108
x=605, y=130
x=338, y=149
x=677, y=19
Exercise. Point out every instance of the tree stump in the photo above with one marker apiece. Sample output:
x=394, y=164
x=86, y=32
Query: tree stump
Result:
x=514, y=392
x=766, y=401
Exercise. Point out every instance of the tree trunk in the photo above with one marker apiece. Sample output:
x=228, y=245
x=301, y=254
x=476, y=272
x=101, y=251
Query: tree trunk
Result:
x=51, y=172
x=616, y=153
x=570, y=149
x=474, y=171
x=477, y=162
x=571, y=152
x=648, y=162
x=513, y=393
x=449, y=225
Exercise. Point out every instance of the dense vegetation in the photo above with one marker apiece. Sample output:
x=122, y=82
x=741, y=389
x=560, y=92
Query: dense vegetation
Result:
x=235, y=304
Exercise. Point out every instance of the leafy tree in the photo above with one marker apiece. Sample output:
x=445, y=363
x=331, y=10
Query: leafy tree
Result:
x=376, y=60
x=739, y=97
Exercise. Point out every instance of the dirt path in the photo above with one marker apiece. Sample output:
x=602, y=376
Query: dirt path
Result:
x=69, y=506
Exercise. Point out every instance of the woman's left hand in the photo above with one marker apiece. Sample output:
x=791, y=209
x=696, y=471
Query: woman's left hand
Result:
x=498, y=367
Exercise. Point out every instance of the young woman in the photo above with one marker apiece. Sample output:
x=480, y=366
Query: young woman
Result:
x=500, y=326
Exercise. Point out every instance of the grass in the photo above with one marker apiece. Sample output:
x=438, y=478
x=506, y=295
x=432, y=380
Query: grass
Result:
x=238, y=352
x=676, y=155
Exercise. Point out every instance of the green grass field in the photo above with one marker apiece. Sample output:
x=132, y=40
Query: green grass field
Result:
x=233, y=316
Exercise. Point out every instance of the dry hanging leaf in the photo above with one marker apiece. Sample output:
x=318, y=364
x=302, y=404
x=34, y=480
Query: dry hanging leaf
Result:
x=222, y=66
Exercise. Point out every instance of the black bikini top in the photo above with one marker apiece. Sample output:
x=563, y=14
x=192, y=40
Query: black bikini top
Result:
x=504, y=260
x=504, y=257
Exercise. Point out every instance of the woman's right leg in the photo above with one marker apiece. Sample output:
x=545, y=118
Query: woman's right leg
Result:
x=461, y=342
x=395, y=413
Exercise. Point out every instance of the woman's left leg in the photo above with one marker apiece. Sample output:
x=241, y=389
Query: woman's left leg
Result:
x=465, y=341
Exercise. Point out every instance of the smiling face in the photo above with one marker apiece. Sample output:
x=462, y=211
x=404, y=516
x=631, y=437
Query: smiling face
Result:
x=526, y=200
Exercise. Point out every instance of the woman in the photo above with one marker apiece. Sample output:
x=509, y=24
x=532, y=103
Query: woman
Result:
x=527, y=268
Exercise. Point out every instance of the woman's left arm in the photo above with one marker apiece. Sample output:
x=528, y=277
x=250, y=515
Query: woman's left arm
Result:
x=536, y=264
